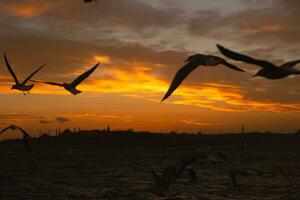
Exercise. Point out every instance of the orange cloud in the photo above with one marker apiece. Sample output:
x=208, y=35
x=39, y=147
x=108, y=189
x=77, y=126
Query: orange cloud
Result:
x=268, y=28
x=24, y=10
x=97, y=117
x=145, y=85
x=192, y=122
x=141, y=82
x=103, y=59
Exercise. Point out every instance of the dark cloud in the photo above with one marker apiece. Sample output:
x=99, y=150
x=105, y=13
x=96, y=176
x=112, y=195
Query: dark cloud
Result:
x=276, y=23
x=62, y=120
x=18, y=117
x=43, y=121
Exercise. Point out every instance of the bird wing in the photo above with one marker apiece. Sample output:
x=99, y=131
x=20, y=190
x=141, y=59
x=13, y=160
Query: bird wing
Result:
x=240, y=57
x=84, y=76
x=10, y=69
x=231, y=66
x=31, y=75
x=49, y=83
x=183, y=163
x=182, y=73
x=290, y=64
x=155, y=176
x=5, y=129
x=24, y=133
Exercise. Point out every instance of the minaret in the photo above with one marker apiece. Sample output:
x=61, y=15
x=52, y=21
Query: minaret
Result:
x=243, y=129
x=108, y=129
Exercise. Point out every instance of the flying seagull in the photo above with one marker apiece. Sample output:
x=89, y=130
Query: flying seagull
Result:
x=71, y=87
x=172, y=172
x=88, y=1
x=269, y=70
x=25, y=136
x=191, y=64
x=235, y=169
x=21, y=86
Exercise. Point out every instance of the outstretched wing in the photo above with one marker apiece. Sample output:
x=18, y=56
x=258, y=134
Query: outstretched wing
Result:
x=182, y=73
x=84, y=76
x=10, y=69
x=240, y=57
x=155, y=176
x=31, y=75
x=231, y=66
x=25, y=134
x=290, y=64
x=5, y=129
x=49, y=83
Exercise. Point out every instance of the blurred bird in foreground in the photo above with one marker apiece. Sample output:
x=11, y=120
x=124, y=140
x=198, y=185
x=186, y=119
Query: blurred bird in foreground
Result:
x=25, y=136
x=235, y=169
x=171, y=173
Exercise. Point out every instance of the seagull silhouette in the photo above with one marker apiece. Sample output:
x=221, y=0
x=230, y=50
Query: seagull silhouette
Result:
x=235, y=169
x=88, y=1
x=71, y=87
x=269, y=70
x=25, y=137
x=192, y=63
x=21, y=86
x=171, y=173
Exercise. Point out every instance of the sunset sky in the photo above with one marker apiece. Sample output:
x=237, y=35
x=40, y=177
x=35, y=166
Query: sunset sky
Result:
x=141, y=44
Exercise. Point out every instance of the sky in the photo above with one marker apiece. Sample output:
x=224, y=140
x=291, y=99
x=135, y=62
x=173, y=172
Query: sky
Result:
x=141, y=44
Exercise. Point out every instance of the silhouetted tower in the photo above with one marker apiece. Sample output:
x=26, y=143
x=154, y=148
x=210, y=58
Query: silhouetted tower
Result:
x=74, y=130
x=243, y=129
x=108, y=129
x=79, y=129
x=243, y=143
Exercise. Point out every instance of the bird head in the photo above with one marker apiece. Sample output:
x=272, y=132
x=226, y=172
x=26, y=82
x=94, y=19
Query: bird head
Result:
x=31, y=86
x=194, y=57
x=14, y=87
x=13, y=127
x=259, y=73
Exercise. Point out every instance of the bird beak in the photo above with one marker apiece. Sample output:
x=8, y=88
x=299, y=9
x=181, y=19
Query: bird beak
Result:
x=255, y=75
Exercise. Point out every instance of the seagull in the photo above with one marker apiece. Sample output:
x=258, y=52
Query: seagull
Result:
x=21, y=86
x=269, y=70
x=171, y=173
x=235, y=169
x=71, y=87
x=88, y=1
x=191, y=64
x=25, y=137
x=184, y=163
